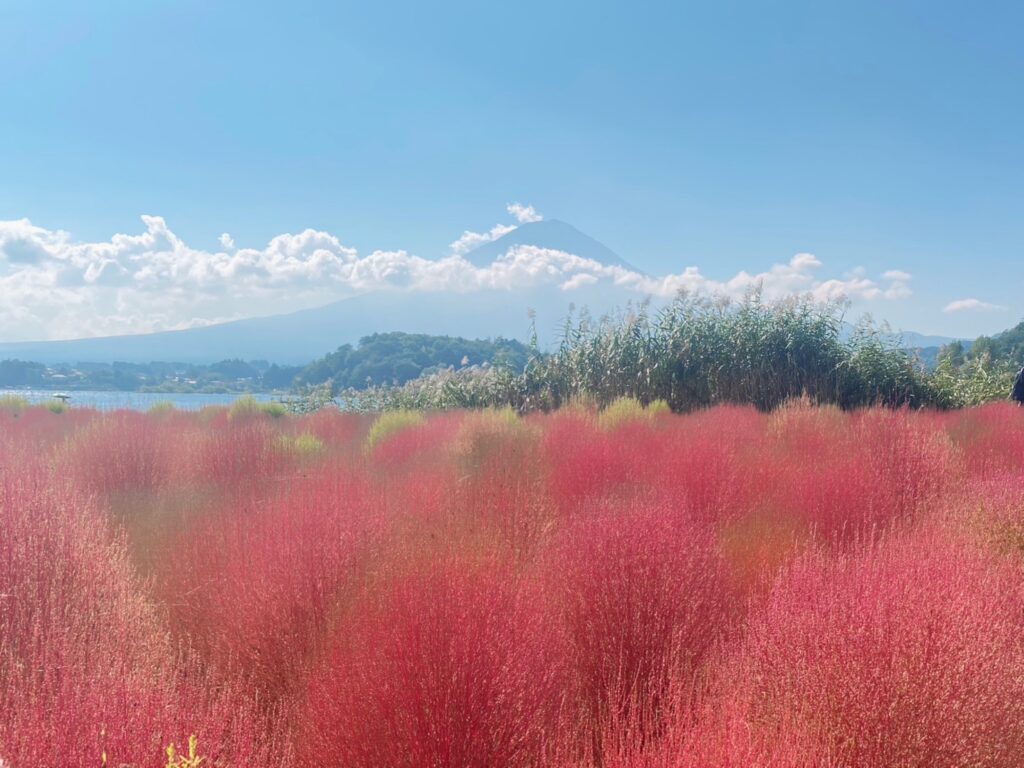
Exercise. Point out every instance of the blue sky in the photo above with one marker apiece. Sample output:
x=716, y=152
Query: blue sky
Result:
x=725, y=136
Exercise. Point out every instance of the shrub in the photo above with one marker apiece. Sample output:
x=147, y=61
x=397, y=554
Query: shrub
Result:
x=803, y=588
x=56, y=406
x=390, y=423
x=15, y=405
x=252, y=586
x=645, y=601
x=658, y=408
x=448, y=665
x=304, y=447
x=623, y=409
x=248, y=406
x=903, y=653
x=85, y=665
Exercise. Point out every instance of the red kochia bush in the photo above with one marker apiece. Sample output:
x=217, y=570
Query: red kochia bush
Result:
x=122, y=451
x=85, y=666
x=252, y=586
x=235, y=454
x=586, y=462
x=645, y=600
x=451, y=665
x=906, y=653
x=482, y=590
x=336, y=428
x=991, y=439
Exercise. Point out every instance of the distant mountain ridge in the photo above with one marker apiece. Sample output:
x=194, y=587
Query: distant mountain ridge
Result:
x=913, y=340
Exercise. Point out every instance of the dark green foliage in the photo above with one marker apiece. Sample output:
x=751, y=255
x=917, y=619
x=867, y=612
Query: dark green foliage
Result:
x=980, y=371
x=1003, y=348
x=696, y=353
x=19, y=373
x=235, y=369
x=280, y=376
x=1008, y=345
x=395, y=358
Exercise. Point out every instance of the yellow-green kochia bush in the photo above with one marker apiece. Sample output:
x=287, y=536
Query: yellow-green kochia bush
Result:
x=390, y=422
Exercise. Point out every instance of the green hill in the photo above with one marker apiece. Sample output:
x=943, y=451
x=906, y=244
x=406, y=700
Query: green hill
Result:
x=395, y=358
x=1008, y=345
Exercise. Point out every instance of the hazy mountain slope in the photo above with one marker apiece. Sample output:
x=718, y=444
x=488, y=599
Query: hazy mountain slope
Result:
x=299, y=337
x=913, y=340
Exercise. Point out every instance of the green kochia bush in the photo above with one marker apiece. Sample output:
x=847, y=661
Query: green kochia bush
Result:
x=248, y=406
x=695, y=353
x=13, y=404
x=388, y=424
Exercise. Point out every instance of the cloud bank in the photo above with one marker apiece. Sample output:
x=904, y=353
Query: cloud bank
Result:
x=54, y=287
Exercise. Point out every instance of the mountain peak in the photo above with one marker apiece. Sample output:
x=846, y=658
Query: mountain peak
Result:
x=552, y=234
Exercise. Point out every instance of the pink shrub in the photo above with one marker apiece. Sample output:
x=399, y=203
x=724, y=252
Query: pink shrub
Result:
x=121, y=451
x=990, y=438
x=235, y=454
x=645, y=601
x=847, y=477
x=903, y=653
x=252, y=587
x=448, y=665
x=722, y=589
x=84, y=664
x=500, y=486
x=417, y=446
x=587, y=463
x=339, y=430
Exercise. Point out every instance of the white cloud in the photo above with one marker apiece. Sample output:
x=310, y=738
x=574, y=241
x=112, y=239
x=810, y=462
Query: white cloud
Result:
x=972, y=305
x=52, y=286
x=524, y=213
x=898, y=284
x=897, y=275
x=471, y=240
x=227, y=241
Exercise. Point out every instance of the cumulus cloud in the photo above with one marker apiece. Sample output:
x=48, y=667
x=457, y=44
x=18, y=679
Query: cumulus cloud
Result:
x=972, y=305
x=52, y=286
x=471, y=240
x=524, y=213
x=898, y=284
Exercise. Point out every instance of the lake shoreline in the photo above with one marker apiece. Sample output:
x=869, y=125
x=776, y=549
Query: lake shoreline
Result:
x=112, y=400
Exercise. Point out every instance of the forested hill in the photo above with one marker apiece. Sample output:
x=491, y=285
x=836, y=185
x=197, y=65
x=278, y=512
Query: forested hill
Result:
x=1002, y=349
x=1008, y=345
x=389, y=358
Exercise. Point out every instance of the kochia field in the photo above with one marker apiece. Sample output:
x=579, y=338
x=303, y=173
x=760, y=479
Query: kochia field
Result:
x=630, y=589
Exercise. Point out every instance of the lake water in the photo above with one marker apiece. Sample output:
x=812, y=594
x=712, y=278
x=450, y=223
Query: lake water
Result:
x=138, y=401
